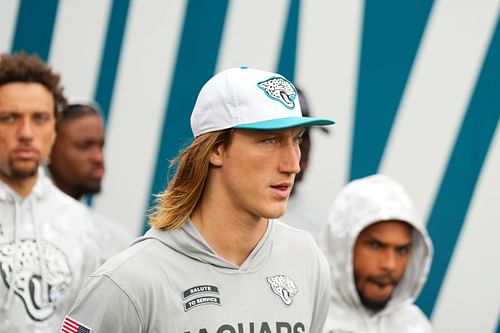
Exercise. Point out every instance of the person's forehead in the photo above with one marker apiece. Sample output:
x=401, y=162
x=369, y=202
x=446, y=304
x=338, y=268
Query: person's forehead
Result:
x=25, y=96
x=83, y=125
x=384, y=227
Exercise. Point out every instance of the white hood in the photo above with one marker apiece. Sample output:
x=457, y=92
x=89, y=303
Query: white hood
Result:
x=359, y=204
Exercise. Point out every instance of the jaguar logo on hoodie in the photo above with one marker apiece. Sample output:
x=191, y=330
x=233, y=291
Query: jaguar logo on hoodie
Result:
x=284, y=287
x=40, y=281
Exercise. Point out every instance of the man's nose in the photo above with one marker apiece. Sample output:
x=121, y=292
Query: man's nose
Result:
x=388, y=260
x=26, y=129
x=290, y=159
x=97, y=155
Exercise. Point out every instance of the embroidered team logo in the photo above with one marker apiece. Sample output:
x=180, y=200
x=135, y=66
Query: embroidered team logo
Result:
x=200, y=295
x=281, y=90
x=39, y=296
x=284, y=287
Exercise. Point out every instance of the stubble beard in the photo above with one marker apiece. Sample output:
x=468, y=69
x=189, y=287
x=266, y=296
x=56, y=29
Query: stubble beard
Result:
x=372, y=305
x=22, y=172
x=89, y=190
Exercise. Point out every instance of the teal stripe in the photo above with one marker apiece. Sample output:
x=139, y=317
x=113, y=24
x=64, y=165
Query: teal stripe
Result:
x=35, y=24
x=287, y=60
x=498, y=326
x=111, y=55
x=109, y=62
x=464, y=167
x=196, y=63
x=392, y=32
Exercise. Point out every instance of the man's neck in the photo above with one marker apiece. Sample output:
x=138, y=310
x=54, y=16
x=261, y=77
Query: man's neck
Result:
x=232, y=237
x=21, y=186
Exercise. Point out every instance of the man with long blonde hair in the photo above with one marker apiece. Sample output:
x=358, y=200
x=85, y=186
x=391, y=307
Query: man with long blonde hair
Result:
x=215, y=259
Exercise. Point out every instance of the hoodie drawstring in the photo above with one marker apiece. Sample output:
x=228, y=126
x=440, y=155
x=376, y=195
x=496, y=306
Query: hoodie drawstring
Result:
x=12, y=283
x=39, y=243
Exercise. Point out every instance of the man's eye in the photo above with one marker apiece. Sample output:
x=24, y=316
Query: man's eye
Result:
x=40, y=118
x=84, y=145
x=403, y=250
x=7, y=118
x=374, y=244
x=270, y=140
x=298, y=140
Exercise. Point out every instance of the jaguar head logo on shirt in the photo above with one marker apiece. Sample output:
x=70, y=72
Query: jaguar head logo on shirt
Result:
x=284, y=287
x=21, y=266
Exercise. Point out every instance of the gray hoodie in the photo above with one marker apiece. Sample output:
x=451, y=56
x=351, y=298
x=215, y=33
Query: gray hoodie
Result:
x=172, y=281
x=46, y=249
x=358, y=205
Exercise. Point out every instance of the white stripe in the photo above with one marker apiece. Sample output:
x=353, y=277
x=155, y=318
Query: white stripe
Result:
x=253, y=34
x=9, y=10
x=138, y=109
x=437, y=96
x=327, y=72
x=469, y=300
x=77, y=45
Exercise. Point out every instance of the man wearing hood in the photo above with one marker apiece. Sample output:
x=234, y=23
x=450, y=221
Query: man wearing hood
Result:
x=216, y=259
x=46, y=247
x=379, y=254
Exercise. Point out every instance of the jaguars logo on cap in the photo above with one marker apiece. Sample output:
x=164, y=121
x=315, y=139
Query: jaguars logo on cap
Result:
x=280, y=89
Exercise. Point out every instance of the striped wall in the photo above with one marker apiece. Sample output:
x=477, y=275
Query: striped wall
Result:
x=413, y=85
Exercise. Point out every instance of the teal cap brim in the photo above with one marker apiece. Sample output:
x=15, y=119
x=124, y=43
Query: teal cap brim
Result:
x=281, y=123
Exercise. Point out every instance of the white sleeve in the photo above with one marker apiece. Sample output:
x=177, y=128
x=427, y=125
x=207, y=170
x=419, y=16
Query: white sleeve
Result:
x=103, y=306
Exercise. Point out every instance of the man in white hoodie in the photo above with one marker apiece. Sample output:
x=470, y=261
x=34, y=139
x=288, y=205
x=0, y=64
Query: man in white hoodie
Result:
x=46, y=247
x=216, y=259
x=379, y=255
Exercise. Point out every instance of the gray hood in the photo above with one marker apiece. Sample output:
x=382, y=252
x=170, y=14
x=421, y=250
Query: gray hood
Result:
x=189, y=242
x=359, y=204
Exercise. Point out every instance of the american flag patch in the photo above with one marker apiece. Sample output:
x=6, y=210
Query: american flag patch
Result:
x=72, y=326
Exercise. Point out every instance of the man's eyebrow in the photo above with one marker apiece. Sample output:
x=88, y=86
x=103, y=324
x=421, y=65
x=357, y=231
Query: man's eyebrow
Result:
x=371, y=238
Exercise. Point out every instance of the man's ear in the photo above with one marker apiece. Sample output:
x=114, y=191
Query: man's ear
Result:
x=217, y=154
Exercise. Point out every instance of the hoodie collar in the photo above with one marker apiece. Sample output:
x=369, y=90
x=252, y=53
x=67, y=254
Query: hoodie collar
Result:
x=188, y=241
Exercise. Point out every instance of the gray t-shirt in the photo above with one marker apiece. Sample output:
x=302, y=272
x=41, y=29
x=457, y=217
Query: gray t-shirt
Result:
x=172, y=281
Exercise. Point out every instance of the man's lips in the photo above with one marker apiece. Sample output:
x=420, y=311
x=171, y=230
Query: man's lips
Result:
x=383, y=281
x=97, y=173
x=282, y=190
x=26, y=153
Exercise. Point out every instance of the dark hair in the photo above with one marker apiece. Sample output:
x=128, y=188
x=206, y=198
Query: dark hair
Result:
x=21, y=67
x=74, y=111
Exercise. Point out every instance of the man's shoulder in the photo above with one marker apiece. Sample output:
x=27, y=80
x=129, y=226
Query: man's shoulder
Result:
x=414, y=316
x=408, y=315
x=344, y=317
x=54, y=195
x=304, y=246
x=65, y=210
x=291, y=233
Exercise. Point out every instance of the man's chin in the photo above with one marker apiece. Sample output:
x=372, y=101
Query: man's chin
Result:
x=21, y=173
x=374, y=305
x=90, y=189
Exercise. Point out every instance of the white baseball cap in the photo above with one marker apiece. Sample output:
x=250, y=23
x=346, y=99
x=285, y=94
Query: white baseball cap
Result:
x=248, y=98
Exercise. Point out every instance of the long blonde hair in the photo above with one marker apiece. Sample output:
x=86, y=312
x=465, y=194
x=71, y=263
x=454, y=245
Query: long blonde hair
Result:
x=176, y=204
